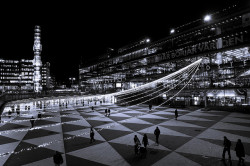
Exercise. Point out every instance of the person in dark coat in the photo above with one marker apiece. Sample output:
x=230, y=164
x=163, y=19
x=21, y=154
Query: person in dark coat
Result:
x=176, y=114
x=32, y=120
x=227, y=145
x=57, y=158
x=92, y=134
x=39, y=115
x=145, y=140
x=92, y=108
x=150, y=107
x=137, y=145
x=157, y=133
x=9, y=113
x=136, y=140
x=106, y=112
x=240, y=151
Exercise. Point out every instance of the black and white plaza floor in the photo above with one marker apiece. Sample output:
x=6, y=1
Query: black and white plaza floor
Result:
x=196, y=138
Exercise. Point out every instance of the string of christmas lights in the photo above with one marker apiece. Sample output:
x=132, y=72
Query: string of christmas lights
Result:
x=147, y=91
x=154, y=93
x=68, y=138
x=46, y=144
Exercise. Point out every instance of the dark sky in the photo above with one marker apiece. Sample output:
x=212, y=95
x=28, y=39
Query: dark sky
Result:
x=72, y=30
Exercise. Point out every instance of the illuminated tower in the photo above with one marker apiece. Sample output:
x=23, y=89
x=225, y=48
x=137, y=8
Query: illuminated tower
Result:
x=37, y=48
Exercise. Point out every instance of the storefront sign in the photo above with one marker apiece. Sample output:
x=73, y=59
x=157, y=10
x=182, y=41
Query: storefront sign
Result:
x=201, y=47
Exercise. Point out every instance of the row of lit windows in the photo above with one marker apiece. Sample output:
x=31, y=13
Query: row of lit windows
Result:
x=11, y=70
x=8, y=61
x=13, y=74
x=4, y=65
x=27, y=69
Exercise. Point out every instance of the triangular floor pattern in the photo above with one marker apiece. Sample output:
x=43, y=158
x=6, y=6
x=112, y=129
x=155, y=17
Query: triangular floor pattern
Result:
x=114, y=136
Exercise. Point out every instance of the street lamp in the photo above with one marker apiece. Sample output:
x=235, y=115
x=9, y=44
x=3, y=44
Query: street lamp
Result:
x=172, y=31
x=72, y=79
x=207, y=18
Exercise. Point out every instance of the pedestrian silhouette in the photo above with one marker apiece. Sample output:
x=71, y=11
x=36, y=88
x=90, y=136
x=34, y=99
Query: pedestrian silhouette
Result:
x=39, y=115
x=57, y=158
x=136, y=140
x=18, y=112
x=145, y=140
x=150, y=107
x=137, y=145
x=32, y=120
x=240, y=151
x=227, y=145
x=9, y=113
x=176, y=114
x=92, y=134
x=157, y=133
x=108, y=112
x=92, y=108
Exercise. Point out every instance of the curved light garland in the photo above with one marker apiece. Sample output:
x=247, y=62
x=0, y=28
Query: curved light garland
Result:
x=72, y=137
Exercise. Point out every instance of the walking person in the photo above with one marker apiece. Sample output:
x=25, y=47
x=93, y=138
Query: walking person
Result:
x=240, y=151
x=137, y=145
x=157, y=133
x=92, y=108
x=227, y=145
x=9, y=113
x=136, y=140
x=39, y=115
x=176, y=114
x=145, y=140
x=92, y=134
x=32, y=120
x=150, y=107
x=57, y=158
x=108, y=112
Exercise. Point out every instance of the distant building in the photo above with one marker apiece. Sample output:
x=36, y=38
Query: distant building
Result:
x=16, y=76
x=22, y=76
x=47, y=80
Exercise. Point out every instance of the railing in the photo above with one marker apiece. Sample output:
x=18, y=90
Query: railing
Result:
x=11, y=97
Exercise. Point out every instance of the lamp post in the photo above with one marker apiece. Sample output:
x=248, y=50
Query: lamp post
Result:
x=72, y=79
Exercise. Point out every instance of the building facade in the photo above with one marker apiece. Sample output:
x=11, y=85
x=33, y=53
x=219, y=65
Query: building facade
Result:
x=22, y=76
x=47, y=80
x=223, y=78
x=16, y=76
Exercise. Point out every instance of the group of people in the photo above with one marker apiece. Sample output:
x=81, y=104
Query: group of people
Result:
x=107, y=112
x=139, y=150
x=239, y=149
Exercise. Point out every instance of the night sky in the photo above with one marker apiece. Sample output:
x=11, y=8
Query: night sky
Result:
x=74, y=30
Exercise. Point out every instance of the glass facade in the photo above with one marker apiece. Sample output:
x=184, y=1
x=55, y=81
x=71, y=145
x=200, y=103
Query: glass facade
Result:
x=223, y=77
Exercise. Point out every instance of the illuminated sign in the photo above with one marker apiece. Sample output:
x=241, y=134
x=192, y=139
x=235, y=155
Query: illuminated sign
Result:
x=201, y=47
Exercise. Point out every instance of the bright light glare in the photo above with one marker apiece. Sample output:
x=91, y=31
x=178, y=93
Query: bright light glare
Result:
x=148, y=40
x=172, y=31
x=207, y=18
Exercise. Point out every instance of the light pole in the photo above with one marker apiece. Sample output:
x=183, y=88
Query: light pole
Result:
x=72, y=79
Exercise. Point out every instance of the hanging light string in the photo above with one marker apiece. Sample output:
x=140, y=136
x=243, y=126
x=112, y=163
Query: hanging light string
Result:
x=158, y=80
x=179, y=91
x=153, y=93
x=177, y=75
x=172, y=83
x=71, y=137
x=46, y=126
x=69, y=115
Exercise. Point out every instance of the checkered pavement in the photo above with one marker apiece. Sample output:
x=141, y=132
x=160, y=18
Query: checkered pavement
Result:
x=195, y=138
